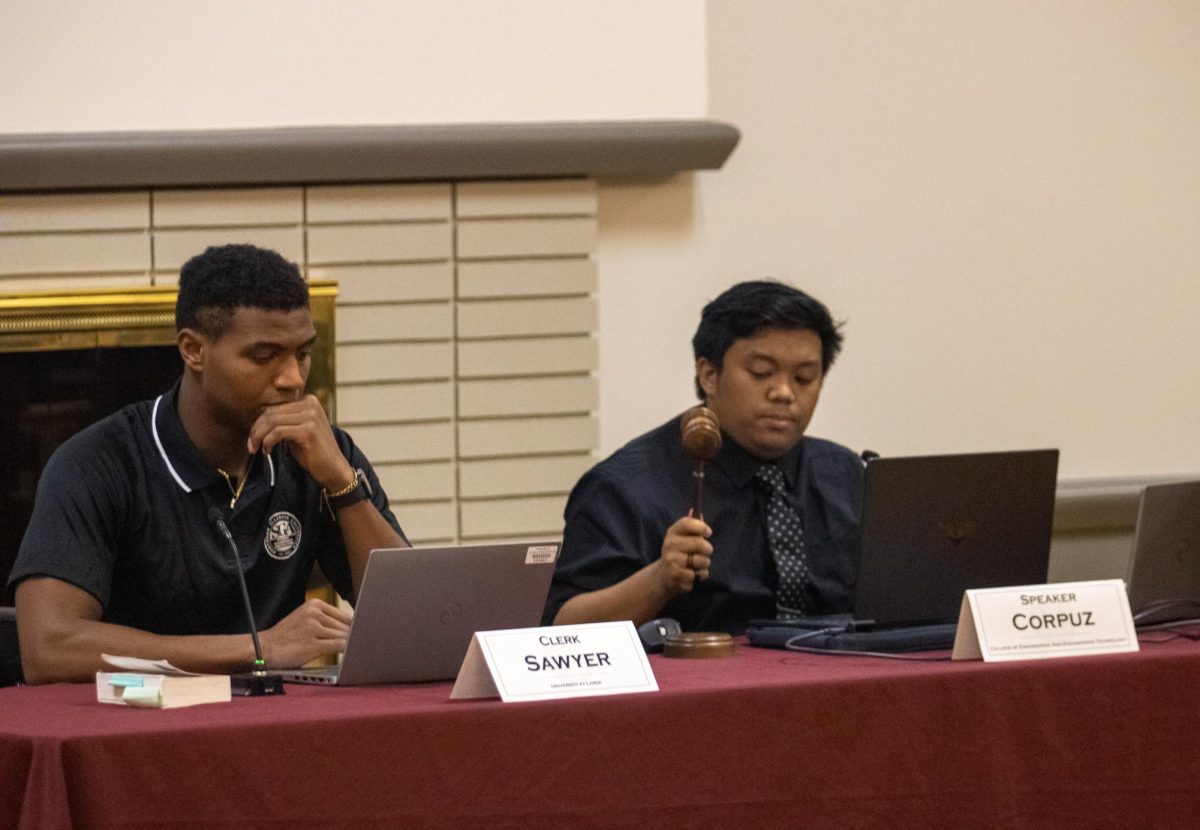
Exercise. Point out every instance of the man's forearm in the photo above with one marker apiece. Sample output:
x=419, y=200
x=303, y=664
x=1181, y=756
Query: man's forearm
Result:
x=639, y=598
x=74, y=656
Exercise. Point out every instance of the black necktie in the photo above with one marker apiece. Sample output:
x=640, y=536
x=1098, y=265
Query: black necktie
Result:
x=786, y=540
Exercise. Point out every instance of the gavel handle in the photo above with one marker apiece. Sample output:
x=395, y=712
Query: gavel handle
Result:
x=698, y=490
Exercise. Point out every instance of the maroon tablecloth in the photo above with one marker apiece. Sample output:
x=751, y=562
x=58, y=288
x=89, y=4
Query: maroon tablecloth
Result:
x=766, y=739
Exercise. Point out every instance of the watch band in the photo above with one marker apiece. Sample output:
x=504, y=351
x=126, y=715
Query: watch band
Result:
x=358, y=490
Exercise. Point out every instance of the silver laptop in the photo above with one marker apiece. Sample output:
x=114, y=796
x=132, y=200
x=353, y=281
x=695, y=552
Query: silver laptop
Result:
x=1164, y=569
x=419, y=607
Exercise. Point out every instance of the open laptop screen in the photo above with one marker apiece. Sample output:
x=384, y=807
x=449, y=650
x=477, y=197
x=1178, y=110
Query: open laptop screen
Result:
x=1164, y=569
x=934, y=526
x=419, y=607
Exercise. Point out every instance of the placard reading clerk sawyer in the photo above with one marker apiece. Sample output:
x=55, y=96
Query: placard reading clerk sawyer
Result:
x=555, y=662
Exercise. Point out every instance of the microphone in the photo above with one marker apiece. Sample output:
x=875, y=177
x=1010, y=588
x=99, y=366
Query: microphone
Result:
x=701, y=439
x=256, y=683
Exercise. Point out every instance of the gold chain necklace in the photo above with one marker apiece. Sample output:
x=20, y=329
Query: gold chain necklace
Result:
x=237, y=493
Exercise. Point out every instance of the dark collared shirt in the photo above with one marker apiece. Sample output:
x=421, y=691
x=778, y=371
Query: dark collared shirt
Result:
x=122, y=512
x=619, y=512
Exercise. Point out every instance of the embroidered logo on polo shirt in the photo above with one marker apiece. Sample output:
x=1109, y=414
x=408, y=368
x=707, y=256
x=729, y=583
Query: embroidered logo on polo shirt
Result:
x=283, y=535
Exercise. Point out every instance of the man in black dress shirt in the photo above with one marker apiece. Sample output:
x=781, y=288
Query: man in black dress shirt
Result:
x=631, y=548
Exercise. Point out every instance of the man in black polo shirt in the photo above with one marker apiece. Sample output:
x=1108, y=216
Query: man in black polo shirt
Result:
x=121, y=555
x=632, y=549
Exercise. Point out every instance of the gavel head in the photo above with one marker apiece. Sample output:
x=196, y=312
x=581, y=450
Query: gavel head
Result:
x=701, y=433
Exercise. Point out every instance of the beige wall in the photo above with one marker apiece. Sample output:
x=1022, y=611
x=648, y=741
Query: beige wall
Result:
x=81, y=65
x=1000, y=198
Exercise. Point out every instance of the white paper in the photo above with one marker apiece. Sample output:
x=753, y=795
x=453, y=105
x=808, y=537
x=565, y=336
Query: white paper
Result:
x=138, y=665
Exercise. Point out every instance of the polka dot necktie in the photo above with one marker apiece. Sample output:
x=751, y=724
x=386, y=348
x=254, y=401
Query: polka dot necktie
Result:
x=786, y=540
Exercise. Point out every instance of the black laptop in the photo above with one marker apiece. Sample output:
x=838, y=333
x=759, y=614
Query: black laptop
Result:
x=933, y=527
x=1164, y=568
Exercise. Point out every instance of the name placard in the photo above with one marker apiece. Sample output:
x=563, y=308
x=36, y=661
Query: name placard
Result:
x=555, y=662
x=1033, y=622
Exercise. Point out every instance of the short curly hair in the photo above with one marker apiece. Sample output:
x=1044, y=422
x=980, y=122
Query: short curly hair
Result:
x=750, y=307
x=227, y=277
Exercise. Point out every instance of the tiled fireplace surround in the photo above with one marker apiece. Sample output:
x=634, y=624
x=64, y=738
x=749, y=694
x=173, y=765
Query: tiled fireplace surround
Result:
x=465, y=320
x=466, y=315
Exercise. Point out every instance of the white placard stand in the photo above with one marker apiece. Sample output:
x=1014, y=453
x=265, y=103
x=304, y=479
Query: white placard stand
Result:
x=555, y=662
x=1033, y=622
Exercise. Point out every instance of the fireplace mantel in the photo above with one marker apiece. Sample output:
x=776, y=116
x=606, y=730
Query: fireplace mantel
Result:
x=315, y=155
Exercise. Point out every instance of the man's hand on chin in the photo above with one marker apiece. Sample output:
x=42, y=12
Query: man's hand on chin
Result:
x=303, y=424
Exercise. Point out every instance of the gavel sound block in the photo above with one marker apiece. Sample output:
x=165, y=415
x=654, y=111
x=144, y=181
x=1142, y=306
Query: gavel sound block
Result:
x=698, y=644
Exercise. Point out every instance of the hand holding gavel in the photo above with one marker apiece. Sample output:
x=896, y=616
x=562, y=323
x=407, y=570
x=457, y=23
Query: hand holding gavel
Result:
x=701, y=441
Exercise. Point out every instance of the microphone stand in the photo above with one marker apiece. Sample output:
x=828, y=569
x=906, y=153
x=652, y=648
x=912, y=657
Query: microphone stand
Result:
x=255, y=683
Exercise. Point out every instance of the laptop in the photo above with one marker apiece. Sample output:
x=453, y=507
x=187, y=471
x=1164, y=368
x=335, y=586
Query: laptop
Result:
x=419, y=607
x=933, y=527
x=1164, y=568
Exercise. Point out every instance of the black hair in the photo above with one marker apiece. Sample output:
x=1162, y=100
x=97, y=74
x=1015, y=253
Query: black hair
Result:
x=227, y=277
x=750, y=307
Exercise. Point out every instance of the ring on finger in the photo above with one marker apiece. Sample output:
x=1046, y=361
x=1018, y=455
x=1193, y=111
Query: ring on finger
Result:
x=689, y=561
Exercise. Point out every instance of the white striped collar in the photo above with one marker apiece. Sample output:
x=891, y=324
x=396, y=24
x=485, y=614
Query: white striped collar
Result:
x=161, y=451
x=187, y=463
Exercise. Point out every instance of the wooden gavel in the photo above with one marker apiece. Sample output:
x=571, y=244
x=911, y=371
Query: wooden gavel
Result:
x=701, y=440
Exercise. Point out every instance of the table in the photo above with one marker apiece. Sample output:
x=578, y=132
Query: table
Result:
x=765, y=739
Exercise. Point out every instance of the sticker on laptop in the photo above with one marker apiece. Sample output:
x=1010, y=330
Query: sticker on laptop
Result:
x=540, y=554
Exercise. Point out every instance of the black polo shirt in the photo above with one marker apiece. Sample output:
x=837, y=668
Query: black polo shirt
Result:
x=619, y=512
x=122, y=512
